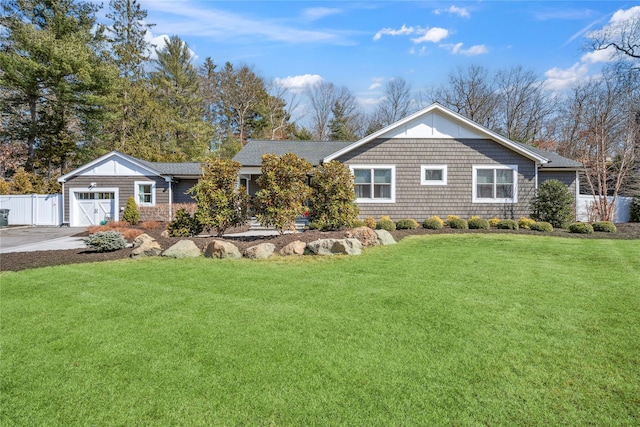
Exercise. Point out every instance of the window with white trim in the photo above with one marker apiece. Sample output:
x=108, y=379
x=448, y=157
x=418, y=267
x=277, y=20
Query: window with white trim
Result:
x=374, y=184
x=495, y=184
x=145, y=193
x=433, y=175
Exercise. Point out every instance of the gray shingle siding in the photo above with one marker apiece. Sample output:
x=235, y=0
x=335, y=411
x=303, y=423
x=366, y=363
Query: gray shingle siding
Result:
x=417, y=201
x=568, y=178
x=180, y=188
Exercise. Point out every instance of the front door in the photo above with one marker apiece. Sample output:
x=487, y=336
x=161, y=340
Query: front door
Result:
x=94, y=207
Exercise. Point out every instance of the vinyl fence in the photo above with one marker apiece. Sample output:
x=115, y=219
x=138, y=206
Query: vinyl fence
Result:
x=34, y=209
x=585, y=211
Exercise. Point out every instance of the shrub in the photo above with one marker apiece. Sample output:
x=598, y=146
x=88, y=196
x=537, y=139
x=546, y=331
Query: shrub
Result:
x=507, y=224
x=433, y=223
x=131, y=215
x=553, y=203
x=385, y=218
x=457, y=223
x=477, y=223
x=407, y=224
x=493, y=222
x=333, y=196
x=184, y=225
x=525, y=223
x=635, y=209
x=541, y=226
x=386, y=224
x=150, y=225
x=370, y=222
x=581, y=228
x=358, y=223
x=604, y=226
x=105, y=241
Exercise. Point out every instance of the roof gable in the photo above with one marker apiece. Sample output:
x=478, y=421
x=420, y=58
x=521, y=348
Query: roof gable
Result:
x=437, y=121
x=113, y=164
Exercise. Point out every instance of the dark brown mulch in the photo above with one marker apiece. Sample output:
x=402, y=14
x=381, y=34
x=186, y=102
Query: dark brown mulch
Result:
x=26, y=260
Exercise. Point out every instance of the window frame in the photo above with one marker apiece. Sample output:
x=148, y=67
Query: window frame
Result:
x=137, y=193
x=372, y=168
x=507, y=200
x=424, y=181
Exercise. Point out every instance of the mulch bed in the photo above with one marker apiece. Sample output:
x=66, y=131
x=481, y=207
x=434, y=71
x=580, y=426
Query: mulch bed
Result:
x=26, y=260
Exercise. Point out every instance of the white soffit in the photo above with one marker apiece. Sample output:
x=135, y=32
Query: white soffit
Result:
x=432, y=125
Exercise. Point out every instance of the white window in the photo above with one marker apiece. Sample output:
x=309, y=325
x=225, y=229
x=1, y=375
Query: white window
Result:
x=495, y=184
x=375, y=184
x=433, y=175
x=145, y=193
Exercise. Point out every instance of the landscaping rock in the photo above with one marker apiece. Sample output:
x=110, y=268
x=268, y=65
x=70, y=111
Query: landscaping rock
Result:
x=183, y=249
x=261, y=251
x=336, y=247
x=146, y=249
x=365, y=235
x=294, y=248
x=165, y=233
x=142, y=239
x=385, y=238
x=220, y=249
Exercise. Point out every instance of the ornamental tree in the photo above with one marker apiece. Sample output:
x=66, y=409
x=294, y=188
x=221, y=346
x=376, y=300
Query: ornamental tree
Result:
x=553, y=203
x=332, y=201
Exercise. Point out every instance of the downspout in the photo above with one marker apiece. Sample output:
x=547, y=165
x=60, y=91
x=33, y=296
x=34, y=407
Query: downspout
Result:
x=170, y=181
x=63, y=207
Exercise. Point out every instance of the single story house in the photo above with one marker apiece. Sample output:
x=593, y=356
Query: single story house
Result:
x=433, y=162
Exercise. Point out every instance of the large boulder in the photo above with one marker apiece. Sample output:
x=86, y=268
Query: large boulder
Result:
x=261, y=251
x=296, y=247
x=183, y=249
x=385, y=238
x=365, y=235
x=145, y=245
x=220, y=249
x=335, y=247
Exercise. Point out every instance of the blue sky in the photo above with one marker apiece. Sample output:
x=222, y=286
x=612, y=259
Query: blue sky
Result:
x=363, y=44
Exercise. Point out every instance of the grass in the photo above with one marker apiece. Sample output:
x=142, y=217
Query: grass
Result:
x=437, y=330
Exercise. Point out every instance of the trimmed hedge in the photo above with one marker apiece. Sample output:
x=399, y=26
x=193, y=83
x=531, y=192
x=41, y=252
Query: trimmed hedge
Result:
x=406, y=224
x=386, y=224
x=433, y=223
x=507, y=224
x=581, y=228
x=604, y=226
x=541, y=226
x=477, y=223
x=457, y=223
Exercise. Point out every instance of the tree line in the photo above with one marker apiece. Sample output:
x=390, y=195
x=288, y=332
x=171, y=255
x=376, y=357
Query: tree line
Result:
x=73, y=89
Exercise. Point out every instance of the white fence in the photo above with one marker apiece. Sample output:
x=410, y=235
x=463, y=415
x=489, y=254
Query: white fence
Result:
x=585, y=211
x=34, y=209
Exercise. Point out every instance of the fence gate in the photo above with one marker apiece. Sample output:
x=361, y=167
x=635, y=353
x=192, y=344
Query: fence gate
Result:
x=34, y=209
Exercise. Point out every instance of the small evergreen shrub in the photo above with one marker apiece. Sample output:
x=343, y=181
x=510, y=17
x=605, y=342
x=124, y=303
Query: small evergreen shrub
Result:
x=525, y=223
x=457, y=223
x=386, y=224
x=541, y=226
x=493, y=222
x=385, y=218
x=370, y=222
x=358, y=223
x=478, y=223
x=507, y=224
x=406, y=224
x=553, y=203
x=580, y=228
x=131, y=213
x=604, y=226
x=184, y=225
x=433, y=223
x=635, y=209
x=105, y=241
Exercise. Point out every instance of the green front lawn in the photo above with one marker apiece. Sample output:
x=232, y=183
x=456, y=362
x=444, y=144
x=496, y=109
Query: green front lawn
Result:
x=437, y=330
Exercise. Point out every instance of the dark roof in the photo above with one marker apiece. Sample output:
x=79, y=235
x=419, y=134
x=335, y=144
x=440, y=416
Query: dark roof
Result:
x=555, y=160
x=311, y=151
x=175, y=168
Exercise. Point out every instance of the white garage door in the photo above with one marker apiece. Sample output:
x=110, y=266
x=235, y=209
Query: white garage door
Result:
x=91, y=208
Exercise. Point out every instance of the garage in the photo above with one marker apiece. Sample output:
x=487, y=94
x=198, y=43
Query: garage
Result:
x=93, y=207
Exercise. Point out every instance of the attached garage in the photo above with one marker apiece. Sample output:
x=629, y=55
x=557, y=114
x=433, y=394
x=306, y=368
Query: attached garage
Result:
x=92, y=207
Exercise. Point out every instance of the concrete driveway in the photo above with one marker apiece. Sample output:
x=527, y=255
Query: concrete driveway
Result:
x=29, y=239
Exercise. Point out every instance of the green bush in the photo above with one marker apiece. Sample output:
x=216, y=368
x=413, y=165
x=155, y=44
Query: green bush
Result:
x=635, y=209
x=433, y=223
x=184, y=225
x=358, y=223
x=580, y=228
x=507, y=224
x=386, y=224
x=370, y=222
x=604, y=226
x=493, y=222
x=477, y=223
x=525, y=223
x=553, y=203
x=131, y=213
x=332, y=202
x=541, y=226
x=407, y=224
x=457, y=223
x=105, y=241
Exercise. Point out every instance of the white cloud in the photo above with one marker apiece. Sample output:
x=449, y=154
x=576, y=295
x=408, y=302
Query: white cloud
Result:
x=377, y=82
x=298, y=83
x=559, y=79
x=624, y=15
x=605, y=55
x=315, y=13
x=433, y=35
x=454, y=10
x=457, y=49
x=159, y=42
x=403, y=31
x=420, y=52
